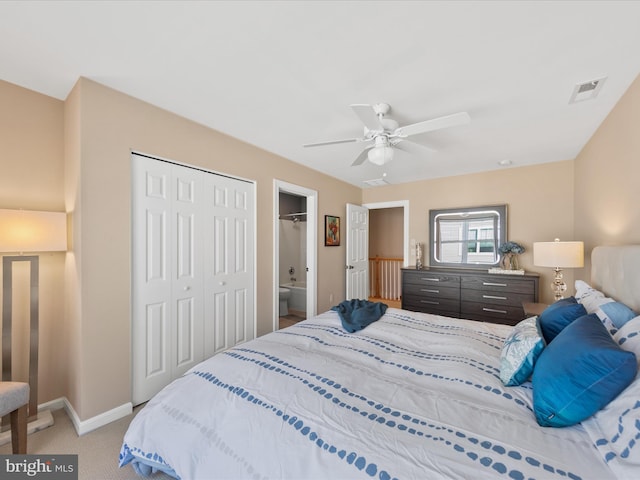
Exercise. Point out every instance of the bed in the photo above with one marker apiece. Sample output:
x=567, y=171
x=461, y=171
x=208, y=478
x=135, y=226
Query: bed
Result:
x=412, y=395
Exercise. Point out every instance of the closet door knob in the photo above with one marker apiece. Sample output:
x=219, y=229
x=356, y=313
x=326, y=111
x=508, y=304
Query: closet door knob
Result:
x=222, y=284
x=187, y=288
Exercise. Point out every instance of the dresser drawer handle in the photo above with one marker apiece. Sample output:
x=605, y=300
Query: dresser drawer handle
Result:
x=430, y=279
x=430, y=302
x=494, y=297
x=491, y=284
x=430, y=290
x=494, y=310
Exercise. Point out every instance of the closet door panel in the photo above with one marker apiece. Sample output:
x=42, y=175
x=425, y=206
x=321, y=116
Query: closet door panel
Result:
x=155, y=334
x=151, y=279
x=187, y=287
x=215, y=323
x=185, y=334
x=230, y=268
x=240, y=263
x=241, y=304
x=219, y=246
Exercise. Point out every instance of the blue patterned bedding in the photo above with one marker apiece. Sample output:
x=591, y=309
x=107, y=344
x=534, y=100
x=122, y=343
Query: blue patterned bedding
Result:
x=410, y=396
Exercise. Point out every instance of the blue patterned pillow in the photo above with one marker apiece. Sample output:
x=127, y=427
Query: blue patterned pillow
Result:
x=520, y=351
x=580, y=372
x=557, y=316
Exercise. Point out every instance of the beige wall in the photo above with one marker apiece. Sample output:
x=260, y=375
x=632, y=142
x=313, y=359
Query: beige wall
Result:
x=386, y=227
x=539, y=200
x=111, y=125
x=607, y=179
x=32, y=178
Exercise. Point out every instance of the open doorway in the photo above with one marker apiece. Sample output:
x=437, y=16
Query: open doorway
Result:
x=388, y=250
x=295, y=254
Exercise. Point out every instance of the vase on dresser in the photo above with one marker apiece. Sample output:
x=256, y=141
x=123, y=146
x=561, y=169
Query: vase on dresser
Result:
x=509, y=261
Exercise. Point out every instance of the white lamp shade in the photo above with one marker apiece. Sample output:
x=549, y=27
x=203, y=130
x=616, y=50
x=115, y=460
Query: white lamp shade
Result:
x=32, y=231
x=380, y=155
x=558, y=254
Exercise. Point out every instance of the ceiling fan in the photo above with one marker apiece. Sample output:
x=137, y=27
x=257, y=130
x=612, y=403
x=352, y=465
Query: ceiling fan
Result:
x=384, y=134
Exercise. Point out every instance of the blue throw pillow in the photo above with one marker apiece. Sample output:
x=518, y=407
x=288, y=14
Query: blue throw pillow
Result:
x=579, y=373
x=557, y=316
x=520, y=351
x=563, y=301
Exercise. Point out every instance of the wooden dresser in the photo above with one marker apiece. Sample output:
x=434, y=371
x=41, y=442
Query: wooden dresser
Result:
x=471, y=294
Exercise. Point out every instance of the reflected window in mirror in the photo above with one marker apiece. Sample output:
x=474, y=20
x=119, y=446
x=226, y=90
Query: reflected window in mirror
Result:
x=467, y=237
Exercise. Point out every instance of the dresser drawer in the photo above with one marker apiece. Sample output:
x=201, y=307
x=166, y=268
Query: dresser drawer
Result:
x=500, y=284
x=443, y=306
x=431, y=279
x=431, y=291
x=499, y=297
x=507, y=314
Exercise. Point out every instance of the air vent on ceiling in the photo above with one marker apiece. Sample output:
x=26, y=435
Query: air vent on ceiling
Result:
x=376, y=182
x=587, y=90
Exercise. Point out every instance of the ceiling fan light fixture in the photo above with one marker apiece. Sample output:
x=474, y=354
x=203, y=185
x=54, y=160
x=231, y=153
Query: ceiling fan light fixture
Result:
x=380, y=155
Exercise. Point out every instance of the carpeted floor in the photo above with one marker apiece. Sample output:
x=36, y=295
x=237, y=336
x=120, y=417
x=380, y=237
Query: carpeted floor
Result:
x=97, y=451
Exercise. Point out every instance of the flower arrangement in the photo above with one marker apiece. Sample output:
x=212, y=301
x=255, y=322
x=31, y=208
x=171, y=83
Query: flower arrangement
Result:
x=511, y=247
x=510, y=252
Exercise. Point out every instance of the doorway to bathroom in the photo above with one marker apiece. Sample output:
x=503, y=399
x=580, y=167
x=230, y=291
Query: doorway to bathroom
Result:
x=294, y=254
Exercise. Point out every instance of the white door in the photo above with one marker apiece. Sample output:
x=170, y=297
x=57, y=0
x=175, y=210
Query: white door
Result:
x=187, y=297
x=151, y=277
x=228, y=263
x=192, y=269
x=357, y=243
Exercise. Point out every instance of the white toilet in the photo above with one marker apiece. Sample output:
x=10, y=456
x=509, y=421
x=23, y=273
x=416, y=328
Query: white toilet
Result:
x=284, y=294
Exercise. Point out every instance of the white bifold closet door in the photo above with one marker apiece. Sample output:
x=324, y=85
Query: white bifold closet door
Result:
x=193, y=279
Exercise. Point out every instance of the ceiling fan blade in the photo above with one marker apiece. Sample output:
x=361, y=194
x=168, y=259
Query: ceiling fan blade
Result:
x=368, y=116
x=362, y=157
x=453, y=120
x=333, y=142
x=413, y=147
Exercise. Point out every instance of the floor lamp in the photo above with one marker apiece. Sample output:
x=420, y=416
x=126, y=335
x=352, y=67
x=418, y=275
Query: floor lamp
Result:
x=26, y=231
x=558, y=255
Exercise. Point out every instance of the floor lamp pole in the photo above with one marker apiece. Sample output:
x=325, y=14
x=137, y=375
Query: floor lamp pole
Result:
x=7, y=304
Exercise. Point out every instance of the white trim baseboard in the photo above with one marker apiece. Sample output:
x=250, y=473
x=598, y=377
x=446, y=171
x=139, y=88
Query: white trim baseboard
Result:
x=86, y=426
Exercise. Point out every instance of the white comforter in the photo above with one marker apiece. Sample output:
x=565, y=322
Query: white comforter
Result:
x=412, y=396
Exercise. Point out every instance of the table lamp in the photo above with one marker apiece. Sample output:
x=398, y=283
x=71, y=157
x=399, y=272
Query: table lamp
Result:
x=558, y=255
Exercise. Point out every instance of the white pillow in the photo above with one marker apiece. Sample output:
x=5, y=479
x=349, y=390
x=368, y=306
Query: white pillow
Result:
x=589, y=297
x=628, y=337
x=614, y=315
x=615, y=429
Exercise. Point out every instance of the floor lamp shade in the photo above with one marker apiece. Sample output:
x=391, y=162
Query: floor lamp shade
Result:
x=32, y=231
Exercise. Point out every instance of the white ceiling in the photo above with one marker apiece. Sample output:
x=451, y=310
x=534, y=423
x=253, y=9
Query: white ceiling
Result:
x=281, y=74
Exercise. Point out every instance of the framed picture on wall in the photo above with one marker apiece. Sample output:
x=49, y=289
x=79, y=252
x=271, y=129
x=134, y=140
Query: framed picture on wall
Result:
x=331, y=231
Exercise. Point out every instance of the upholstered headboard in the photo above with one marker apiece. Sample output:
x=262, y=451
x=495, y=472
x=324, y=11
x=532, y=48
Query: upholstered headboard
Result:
x=616, y=272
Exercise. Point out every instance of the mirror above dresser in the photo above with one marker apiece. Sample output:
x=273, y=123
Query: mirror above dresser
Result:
x=467, y=237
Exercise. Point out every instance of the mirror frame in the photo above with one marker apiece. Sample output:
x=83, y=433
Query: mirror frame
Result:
x=501, y=238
